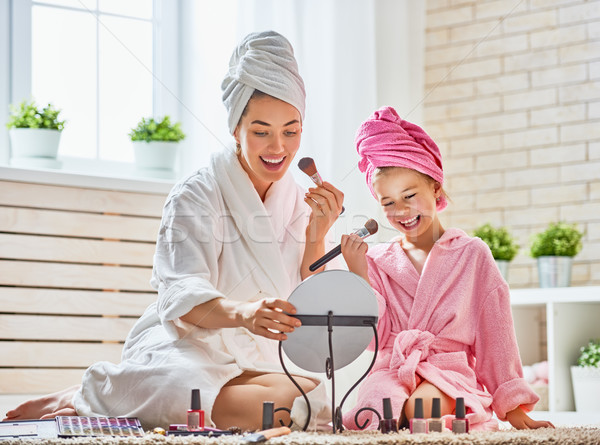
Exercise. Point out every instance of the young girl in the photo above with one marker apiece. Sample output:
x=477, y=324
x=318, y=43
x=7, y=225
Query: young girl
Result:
x=445, y=326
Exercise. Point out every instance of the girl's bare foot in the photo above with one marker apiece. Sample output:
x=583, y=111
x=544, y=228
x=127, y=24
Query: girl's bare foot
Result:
x=46, y=407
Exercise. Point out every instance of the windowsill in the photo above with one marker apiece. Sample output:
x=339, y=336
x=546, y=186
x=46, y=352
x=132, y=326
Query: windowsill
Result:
x=120, y=176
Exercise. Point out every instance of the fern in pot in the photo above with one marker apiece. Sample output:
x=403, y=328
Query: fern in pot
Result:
x=34, y=134
x=155, y=143
x=501, y=243
x=554, y=249
x=586, y=377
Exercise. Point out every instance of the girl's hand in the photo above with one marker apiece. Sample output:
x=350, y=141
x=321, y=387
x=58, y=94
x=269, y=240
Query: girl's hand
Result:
x=354, y=250
x=265, y=316
x=326, y=204
x=521, y=421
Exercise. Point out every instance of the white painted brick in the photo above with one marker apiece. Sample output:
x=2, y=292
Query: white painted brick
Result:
x=558, y=36
x=531, y=215
x=462, y=165
x=530, y=99
x=579, y=13
x=530, y=138
x=436, y=112
x=446, y=92
x=448, y=56
x=435, y=76
x=474, y=70
x=580, y=52
x=475, y=145
x=448, y=129
x=580, y=132
x=460, y=202
x=580, y=273
x=582, y=212
x=594, y=274
x=559, y=194
x=498, y=46
x=594, y=150
x=531, y=60
x=593, y=231
x=558, y=115
x=475, y=31
x=501, y=122
x=583, y=92
x=517, y=179
x=466, y=218
x=546, y=4
x=476, y=107
x=557, y=155
x=437, y=37
x=594, y=68
x=498, y=8
x=519, y=277
x=449, y=17
x=501, y=161
x=495, y=200
x=502, y=84
x=433, y=5
x=587, y=171
x=593, y=110
x=530, y=21
x=560, y=75
x=593, y=30
x=489, y=181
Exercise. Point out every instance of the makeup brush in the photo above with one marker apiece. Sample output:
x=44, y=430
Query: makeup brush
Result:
x=307, y=165
x=369, y=228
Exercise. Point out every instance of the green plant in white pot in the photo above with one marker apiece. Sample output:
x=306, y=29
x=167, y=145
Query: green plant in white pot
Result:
x=503, y=246
x=155, y=143
x=34, y=134
x=586, y=378
x=554, y=249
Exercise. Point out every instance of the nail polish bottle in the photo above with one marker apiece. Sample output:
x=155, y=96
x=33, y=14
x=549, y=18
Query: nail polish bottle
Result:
x=435, y=424
x=418, y=424
x=460, y=424
x=388, y=424
x=195, y=416
x=267, y=416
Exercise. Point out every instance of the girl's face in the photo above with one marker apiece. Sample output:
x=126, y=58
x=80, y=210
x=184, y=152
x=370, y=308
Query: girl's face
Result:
x=269, y=136
x=408, y=199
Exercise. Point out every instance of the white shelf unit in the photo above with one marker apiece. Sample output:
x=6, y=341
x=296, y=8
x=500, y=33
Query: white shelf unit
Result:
x=552, y=324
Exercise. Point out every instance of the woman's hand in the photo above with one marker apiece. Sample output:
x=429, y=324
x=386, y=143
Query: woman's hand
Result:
x=326, y=204
x=354, y=249
x=521, y=421
x=265, y=316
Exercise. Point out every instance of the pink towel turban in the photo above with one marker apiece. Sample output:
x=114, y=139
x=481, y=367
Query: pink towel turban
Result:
x=385, y=140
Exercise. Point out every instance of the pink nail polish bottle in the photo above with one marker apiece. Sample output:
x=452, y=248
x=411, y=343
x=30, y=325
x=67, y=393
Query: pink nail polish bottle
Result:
x=418, y=424
x=460, y=424
x=388, y=424
x=435, y=424
x=195, y=416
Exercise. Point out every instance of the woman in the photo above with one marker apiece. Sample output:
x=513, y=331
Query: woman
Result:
x=235, y=240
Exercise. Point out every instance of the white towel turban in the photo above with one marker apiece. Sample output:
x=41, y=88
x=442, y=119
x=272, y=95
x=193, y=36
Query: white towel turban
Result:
x=262, y=61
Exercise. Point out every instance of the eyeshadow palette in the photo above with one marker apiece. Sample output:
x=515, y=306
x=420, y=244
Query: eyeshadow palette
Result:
x=76, y=426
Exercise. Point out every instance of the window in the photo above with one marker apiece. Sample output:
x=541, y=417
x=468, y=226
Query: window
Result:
x=100, y=61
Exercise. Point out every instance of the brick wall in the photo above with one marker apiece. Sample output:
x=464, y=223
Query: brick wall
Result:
x=512, y=97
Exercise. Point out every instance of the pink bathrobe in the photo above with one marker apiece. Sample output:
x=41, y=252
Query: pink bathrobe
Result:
x=452, y=326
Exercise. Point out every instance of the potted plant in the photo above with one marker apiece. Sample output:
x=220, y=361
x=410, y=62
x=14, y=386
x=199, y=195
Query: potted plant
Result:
x=34, y=134
x=503, y=246
x=554, y=249
x=155, y=143
x=586, y=378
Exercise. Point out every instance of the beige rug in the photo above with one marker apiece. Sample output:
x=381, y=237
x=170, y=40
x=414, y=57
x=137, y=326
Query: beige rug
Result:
x=558, y=436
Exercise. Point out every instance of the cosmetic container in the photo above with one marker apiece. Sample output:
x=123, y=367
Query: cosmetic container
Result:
x=388, y=424
x=267, y=416
x=460, y=424
x=195, y=415
x=418, y=424
x=434, y=423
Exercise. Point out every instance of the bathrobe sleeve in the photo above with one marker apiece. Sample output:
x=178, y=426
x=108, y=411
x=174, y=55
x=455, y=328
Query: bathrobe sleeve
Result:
x=383, y=323
x=498, y=364
x=186, y=262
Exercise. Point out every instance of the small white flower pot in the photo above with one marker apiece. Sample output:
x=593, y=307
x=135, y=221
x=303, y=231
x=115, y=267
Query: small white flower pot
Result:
x=35, y=147
x=586, y=388
x=503, y=267
x=155, y=155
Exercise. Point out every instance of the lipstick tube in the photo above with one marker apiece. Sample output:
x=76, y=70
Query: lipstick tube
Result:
x=460, y=424
x=389, y=423
x=418, y=424
x=195, y=415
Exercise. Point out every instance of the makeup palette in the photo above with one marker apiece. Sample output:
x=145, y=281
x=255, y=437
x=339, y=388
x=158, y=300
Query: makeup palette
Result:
x=77, y=426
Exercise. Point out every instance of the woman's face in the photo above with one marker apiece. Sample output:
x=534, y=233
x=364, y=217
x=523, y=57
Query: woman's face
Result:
x=408, y=200
x=269, y=136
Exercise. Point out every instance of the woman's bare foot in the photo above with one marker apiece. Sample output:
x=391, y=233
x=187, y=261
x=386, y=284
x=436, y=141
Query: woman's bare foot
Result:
x=46, y=407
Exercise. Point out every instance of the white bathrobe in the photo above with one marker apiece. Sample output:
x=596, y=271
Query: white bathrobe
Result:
x=217, y=239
